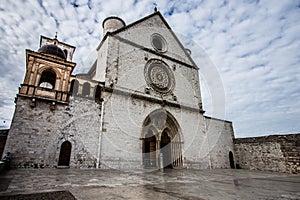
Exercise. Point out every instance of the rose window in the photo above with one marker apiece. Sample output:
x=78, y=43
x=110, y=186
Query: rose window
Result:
x=159, y=76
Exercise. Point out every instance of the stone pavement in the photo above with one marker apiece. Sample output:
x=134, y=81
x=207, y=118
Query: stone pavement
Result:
x=170, y=184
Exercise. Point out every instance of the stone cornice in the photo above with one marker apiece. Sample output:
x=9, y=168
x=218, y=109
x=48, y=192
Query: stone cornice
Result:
x=153, y=52
x=49, y=58
x=42, y=98
x=149, y=98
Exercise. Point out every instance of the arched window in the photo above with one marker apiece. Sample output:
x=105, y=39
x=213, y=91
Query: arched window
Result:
x=97, y=93
x=66, y=53
x=48, y=79
x=74, y=87
x=86, y=89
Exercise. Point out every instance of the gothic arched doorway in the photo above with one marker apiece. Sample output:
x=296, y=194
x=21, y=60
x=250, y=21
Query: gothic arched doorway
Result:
x=161, y=141
x=65, y=154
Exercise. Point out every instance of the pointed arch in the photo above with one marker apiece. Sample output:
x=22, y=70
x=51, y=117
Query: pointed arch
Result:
x=168, y=138
x=160, y=119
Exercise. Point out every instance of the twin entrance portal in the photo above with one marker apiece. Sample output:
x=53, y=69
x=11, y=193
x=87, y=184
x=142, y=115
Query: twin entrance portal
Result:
x=160, y=153
x=161, y=142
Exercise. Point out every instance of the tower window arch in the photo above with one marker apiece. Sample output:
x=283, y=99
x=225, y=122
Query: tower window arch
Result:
x=48, y=79
x=86, y=89
x=66, y=52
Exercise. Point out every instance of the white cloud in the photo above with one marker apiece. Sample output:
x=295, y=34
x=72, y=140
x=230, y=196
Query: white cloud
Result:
x=254, y=46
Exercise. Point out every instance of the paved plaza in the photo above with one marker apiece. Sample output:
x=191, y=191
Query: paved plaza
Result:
x=168, y=184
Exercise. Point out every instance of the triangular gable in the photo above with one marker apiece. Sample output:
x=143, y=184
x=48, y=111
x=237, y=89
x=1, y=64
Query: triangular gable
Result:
x=140, y=32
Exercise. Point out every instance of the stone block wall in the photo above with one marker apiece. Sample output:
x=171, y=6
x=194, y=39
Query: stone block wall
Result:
x=220, y=142
x=37, y=133
x=126, y=69
x=36, y=136
x=206, y=141
x=122, y=131
x=280, y=153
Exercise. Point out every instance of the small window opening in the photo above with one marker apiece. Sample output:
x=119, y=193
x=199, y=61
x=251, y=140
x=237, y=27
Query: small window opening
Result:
x=48, y=79
x=66, y=53
x=86, y=89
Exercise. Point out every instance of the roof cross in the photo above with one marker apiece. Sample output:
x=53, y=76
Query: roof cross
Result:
x=155, y=7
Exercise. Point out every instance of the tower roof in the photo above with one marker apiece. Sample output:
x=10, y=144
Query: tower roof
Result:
x=52, y=50
x=113, y=17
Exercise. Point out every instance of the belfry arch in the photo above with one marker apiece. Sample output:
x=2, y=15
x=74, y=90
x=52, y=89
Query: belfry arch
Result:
x=162, y=141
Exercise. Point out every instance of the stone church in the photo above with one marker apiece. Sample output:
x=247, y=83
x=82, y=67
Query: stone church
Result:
x=138, y=107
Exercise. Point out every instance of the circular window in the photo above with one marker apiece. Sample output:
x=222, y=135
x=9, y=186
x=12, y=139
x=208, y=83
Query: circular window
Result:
x=158, y=43
x=159, y=76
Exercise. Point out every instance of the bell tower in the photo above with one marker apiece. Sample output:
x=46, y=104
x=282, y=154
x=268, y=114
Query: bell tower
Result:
x=48, y=72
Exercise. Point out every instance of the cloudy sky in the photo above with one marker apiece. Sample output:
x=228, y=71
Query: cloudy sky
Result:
x=254, y=47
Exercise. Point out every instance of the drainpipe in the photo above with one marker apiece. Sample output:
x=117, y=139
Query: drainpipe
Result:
x=207, y=139
x=100, y=135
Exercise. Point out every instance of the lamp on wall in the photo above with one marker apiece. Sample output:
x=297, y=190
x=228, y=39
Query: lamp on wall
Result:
x=33, y=103
x=52, y=106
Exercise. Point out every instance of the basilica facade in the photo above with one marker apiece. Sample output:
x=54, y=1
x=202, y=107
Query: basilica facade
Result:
x=138, y=107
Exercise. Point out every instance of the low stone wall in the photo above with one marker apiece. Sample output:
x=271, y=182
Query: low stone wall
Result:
x=279, y=153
